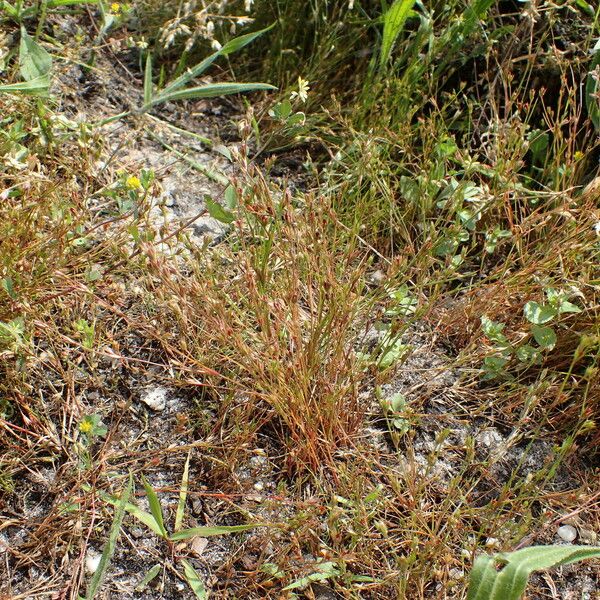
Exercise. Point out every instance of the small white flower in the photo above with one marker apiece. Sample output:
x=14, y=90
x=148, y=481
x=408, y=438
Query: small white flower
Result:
x=248, y=5
x=597, y=228
x=215, y=45
x=303, y=89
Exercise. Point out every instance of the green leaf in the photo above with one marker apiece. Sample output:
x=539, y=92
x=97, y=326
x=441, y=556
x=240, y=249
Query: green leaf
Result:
x=393, y=24
x=539, y=314
x=7, y=284
x=141, y=515
x=185, y=534
x=194, y=580
x=544, y=336
x=211, y=90
x=592, y=87
x=325, y=571
x=487, y=582
x=155, y=507
x=216, y=211
x=34, y=61
x=148, y=577
x=38, y=86
x=109, y=547
x=230, y=47
x=183, y=493
x=148, y=80
x=567, y=307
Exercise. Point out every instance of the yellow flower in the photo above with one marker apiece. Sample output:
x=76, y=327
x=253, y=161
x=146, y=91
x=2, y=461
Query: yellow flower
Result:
x=579, y=155
x=115, y=8
x=133, y=183
x=86, y=426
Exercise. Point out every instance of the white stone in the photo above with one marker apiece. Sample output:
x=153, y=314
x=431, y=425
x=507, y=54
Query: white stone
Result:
x=567, y=533
x=155, y=398
x=92, y=561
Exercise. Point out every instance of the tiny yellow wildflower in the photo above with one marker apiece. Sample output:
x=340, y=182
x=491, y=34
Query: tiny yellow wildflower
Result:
x=133, y=183
x=115, y=8
x=86, y=426
x=579, y=155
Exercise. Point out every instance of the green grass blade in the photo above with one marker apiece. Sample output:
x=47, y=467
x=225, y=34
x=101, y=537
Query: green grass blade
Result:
x=141, y=515
x=148, y=577
x=212, y=531
x=474, y=12
x=148, y=80
x=183, y=493
x=211, y=90
x=155, y=507
x=194, y=580
x=393, y=24
x=230, y=47
x=12, y=12
x=38, y=86
x=109, y=547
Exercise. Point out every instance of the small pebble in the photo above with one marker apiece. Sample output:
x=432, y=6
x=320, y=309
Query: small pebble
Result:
x=259, y=486
x=567, y=533
x=92, y=561
x=155, y=398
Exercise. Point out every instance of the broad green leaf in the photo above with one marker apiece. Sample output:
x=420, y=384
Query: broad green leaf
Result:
x=487, y=582
x=539, y=314
x=212, y=531
x=109, y=547
x=393, y=24
x=544, y=336
x=568, y=307
x=194, y=580
x=155, y=507
x=211, y=90
x=34, y=61
x=183, y=493
x=216, y=211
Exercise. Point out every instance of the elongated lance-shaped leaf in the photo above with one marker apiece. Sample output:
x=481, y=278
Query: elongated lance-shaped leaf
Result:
x=183, y=493
x=148, y=80
x=148, y=577
x=393, y=24
x=141, y=515
x=474, y=12
x=109, y=547
x=592, y=88
x=194, y=580
x=230, y=47
x=185, y=534
x=211, y=90
x=509, y=583
x=39, y=86
x=155, y=507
